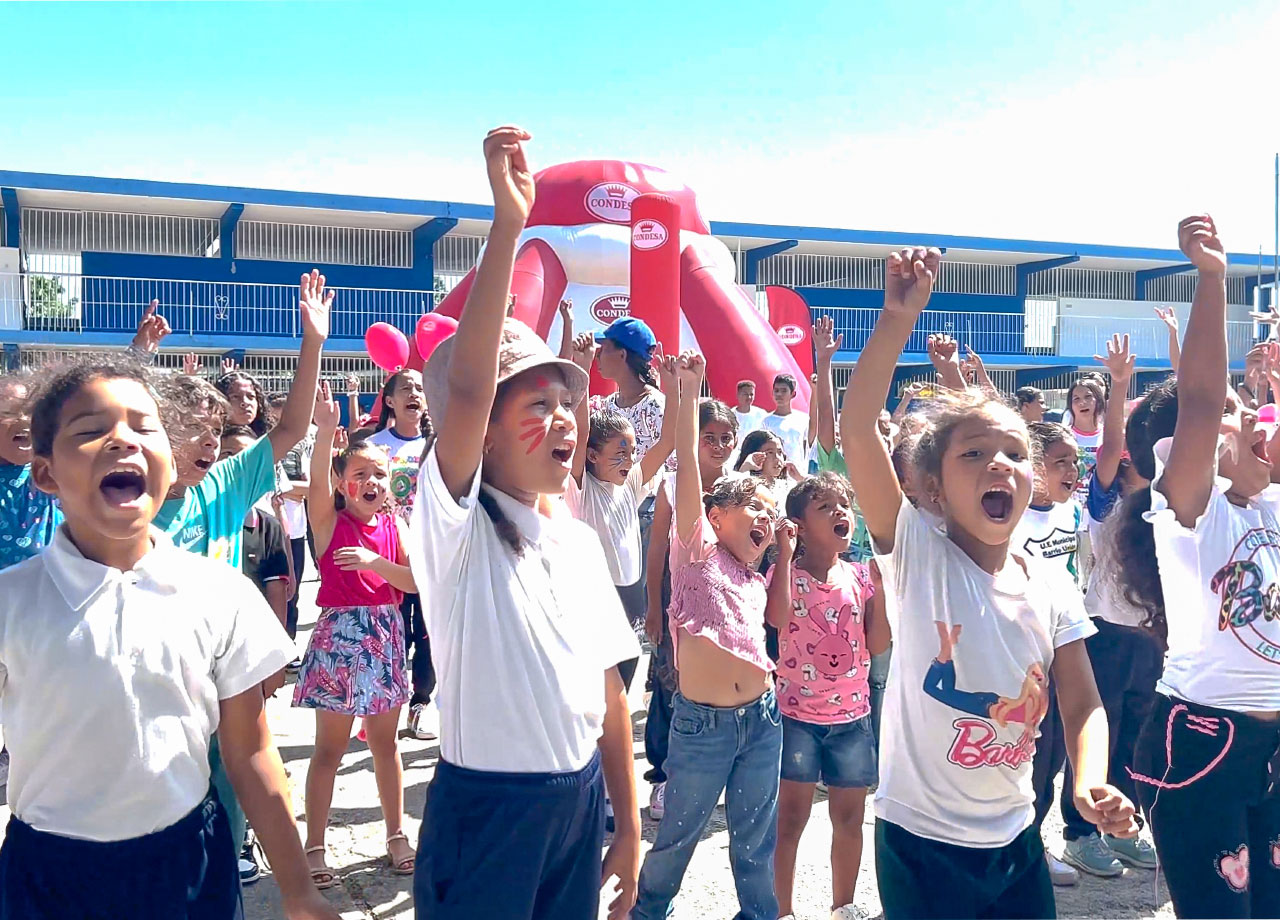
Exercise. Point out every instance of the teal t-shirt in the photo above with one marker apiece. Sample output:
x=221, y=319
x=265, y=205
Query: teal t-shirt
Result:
x=28, y=517
x=209, y=518
x=860, y=543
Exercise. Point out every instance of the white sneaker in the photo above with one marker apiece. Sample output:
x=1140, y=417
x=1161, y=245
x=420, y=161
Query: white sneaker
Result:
x=1062, y=875
x=658, y=801
x=416, y=728
x=848, y=912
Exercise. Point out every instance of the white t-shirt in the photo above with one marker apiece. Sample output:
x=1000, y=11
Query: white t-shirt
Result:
x=958, y=736
x=520, y=644
x=1220, y=597
x=109, y=693
x=610, y=511
x=406, y=457
x=1088, y=445
x=793, y=430
x=748, y=421
x=1050, y=532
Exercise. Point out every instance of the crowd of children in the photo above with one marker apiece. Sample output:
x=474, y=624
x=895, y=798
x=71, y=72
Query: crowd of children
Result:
x=946, y=608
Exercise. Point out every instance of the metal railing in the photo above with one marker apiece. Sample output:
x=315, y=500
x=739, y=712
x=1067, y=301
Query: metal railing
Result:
x=324, y=245
x=51, y=231
x=84, y=303
x=866, y=273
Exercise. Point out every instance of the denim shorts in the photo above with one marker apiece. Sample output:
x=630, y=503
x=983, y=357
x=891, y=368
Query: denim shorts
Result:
x=841, y=755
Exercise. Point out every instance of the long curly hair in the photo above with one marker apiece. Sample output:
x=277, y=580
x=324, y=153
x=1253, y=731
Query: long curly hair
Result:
x=261, y=422
x=1153, y=419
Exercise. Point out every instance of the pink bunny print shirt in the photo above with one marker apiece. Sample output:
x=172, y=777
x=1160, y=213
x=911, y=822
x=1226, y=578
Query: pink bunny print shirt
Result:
x=823, y=661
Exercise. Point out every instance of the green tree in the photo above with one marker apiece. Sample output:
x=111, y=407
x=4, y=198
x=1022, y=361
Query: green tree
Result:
x=47, y=298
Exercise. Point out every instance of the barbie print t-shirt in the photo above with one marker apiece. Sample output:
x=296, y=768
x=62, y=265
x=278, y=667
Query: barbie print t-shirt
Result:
x=971, y=661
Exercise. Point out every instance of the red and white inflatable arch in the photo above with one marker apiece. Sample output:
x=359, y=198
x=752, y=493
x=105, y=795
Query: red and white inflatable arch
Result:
x=624, y=239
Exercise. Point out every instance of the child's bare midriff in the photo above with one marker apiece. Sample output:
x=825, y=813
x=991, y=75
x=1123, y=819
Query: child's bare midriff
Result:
x=713, y=677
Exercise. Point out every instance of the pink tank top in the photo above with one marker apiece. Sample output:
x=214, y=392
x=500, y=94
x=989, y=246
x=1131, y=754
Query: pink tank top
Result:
x=359, y=587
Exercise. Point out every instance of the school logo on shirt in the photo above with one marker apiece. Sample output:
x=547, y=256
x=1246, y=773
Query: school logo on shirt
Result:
x=1057, y=542
x=1249, y=604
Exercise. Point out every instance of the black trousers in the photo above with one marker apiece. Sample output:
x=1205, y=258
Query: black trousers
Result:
x=417, y=647
x=921, y=878
x=1204, y=780
x=298, y=550
x=510, y=846
x=186, y=871
x=1051, y=754
x=1126, y=665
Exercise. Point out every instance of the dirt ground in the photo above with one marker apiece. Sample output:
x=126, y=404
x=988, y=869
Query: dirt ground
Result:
x=369, y=891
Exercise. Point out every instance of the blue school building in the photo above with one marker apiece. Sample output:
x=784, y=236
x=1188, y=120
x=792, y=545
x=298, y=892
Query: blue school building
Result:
x=81, y=256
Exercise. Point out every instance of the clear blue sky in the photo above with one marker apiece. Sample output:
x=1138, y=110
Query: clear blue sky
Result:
x=1097, y=121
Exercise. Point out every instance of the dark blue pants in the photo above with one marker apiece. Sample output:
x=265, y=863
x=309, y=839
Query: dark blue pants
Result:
x=510, y=846
x=1126, y=665
x=657, y=732
x=920, y=878
x=185, y=872
x=1051, y=754
x=1204, y=779
x=298, y=549
x=418, y=648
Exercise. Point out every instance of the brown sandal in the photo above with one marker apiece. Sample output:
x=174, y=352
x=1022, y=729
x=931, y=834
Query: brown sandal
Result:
x=404, y=866
x=321, y=878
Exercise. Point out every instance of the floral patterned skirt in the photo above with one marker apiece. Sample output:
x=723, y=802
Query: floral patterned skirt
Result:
x=355, y=662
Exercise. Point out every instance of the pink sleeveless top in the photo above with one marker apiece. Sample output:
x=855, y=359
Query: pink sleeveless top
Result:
x=359, y=587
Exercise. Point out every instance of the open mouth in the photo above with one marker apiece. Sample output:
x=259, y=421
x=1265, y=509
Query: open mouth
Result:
x=841, y=529
x=122, y=487
x=21, y=438
x=370, y=495
x=413, y=405
x=1260, y=447
x=997, y=504
x=203, y=464
x=563, y=453
x=758, y=536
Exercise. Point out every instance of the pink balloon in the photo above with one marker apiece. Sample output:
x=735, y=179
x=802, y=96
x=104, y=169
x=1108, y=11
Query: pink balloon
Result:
x=1267, y=414
x=387, y=346
x=433, y=329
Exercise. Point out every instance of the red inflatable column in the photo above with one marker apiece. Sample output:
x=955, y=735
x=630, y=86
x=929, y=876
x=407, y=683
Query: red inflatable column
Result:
x=655, y=267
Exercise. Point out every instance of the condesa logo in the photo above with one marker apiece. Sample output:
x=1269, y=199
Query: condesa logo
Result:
x=611, y=201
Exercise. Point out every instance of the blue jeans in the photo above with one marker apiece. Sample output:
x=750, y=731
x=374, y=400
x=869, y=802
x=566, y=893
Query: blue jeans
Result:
x=737, y=751
x=878, y=678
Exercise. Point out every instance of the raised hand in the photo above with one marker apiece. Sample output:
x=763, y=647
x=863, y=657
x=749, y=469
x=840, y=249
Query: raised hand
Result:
x=509, y=175
x=784, y=534
x=1198, y=240
x=668, y=382
x=1119, y=359
x=909, y=275
x=583, y=351
x=341, y=440
x=327, y=414
x=314, y=303
x=825, y=342
x=191, y=364
x=943, y=350
x=1167, y=316
x=690, y=370
x=353, y=385
x=566, y=310
x=151, y=329
x=972, y=364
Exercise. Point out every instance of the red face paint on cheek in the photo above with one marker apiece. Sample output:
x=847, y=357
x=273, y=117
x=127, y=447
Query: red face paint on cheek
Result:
x=535, y=432
x=353, y=489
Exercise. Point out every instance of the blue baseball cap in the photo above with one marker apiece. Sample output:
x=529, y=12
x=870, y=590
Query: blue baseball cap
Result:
x=632, y=334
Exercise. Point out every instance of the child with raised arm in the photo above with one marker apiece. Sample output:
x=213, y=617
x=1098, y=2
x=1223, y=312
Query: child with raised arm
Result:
x=1199, y=553
x=354, y=663
x=525, y=624
x=829, y=626
x=726, y=733
x=717, y=431
x=977, y=630
x=139, y=655
x=1126, y=659
x=402, y=430
x=607, y=486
